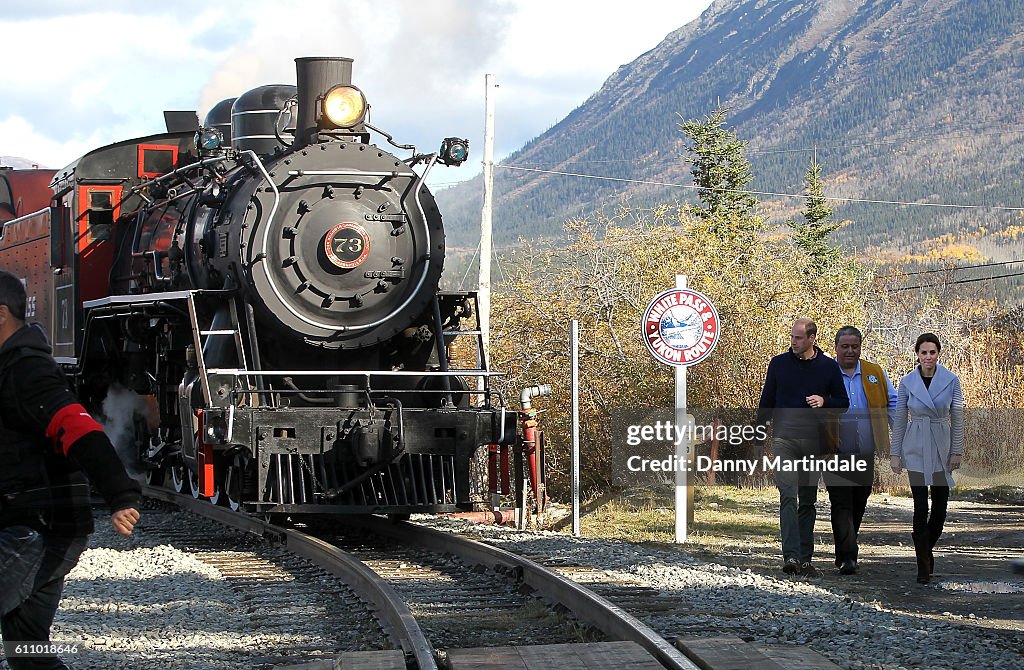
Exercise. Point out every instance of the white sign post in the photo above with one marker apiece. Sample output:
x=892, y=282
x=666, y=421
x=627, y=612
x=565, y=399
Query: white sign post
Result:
x=681, y=328
x=574, y=357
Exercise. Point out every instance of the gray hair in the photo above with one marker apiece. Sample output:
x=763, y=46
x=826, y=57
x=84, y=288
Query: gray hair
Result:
x=848, y=330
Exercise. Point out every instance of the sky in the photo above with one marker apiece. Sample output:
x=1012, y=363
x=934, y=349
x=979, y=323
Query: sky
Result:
x=103, y=71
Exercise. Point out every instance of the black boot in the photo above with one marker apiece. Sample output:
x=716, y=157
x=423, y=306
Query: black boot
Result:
x=933, y=539
x=922, y=550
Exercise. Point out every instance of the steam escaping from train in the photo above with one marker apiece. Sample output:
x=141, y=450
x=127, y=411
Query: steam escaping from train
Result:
x=123, y=410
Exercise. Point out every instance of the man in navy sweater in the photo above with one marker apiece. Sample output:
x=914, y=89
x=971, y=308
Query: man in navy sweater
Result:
x=802, y=388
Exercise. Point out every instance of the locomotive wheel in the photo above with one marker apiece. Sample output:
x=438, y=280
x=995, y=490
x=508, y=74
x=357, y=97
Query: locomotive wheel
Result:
x=193, y=483
x=217, y=498
x=178, y=473
x=155, y=476
x=234, y=476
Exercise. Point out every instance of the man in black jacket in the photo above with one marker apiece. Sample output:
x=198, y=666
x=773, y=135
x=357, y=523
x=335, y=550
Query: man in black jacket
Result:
x=800, y=388
x=47, y=440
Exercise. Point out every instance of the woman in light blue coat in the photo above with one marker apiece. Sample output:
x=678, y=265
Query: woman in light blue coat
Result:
x=928, y=440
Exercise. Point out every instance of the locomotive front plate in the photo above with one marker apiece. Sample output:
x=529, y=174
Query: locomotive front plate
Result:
x=347, y=245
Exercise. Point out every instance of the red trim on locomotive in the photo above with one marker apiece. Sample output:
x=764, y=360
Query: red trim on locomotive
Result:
x=154, y=149
x=204, y=459
x=95, y=253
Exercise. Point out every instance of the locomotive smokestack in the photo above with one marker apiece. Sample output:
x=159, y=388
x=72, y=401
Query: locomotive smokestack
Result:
x=314, y=77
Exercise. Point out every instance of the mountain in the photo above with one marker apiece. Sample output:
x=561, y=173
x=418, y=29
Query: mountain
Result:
x=899, y=100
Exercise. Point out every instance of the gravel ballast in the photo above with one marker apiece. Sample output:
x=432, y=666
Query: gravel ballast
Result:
x=141, y=603
x=710, y=599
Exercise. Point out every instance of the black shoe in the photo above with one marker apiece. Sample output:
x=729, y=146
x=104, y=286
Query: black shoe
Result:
x=848, y=567
x=808, y=570
x=791, y=566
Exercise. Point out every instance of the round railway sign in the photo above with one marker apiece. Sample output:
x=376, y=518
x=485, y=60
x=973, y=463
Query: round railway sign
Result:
x=681, y=327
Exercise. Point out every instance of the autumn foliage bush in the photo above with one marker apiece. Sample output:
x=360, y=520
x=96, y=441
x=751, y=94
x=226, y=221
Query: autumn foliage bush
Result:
x=612, y=266
x=604, y=278
x=606, y=268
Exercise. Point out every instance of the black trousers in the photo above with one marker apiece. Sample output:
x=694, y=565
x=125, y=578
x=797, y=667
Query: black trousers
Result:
x=848, y=494
x=31, y=620
x=848, y=505
x=930, y=521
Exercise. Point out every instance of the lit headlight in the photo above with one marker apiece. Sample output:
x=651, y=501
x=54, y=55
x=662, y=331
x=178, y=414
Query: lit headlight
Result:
x=343, y=107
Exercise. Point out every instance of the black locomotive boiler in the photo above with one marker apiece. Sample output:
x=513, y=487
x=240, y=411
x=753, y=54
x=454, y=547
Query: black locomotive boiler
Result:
x=264, y=291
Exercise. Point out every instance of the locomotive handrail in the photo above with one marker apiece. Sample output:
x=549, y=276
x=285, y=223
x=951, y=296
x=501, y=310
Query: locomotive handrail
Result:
x=176, y=171
x=343, y=173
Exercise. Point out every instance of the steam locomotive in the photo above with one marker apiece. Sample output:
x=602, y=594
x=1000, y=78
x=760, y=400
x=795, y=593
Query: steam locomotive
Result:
x=263, y=289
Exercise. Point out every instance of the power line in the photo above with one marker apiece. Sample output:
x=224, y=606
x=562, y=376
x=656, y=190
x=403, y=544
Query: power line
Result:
x=958, y=281
x=469, y=266
x=909, y=139
x=952, y=269
x=896, y=139
x=768, y=193
x=906, y=139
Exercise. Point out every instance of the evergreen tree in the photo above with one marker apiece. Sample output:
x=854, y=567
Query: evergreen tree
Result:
x=812, y=233
x=720, y=171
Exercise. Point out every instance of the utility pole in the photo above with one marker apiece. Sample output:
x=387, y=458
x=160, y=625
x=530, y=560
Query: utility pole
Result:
x=484, y=290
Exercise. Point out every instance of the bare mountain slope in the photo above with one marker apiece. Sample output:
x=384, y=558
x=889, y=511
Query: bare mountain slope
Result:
x=910, y=100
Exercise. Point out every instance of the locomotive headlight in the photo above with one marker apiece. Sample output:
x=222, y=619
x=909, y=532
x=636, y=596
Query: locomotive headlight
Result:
x=209, y=139
x=343, y=107
x=454, y=151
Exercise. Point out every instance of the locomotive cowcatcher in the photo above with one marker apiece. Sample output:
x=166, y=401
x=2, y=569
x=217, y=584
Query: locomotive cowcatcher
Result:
x=257, y=301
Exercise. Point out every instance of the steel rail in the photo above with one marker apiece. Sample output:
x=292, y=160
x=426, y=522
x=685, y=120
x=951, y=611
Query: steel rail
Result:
x=596, y=610
x=365, y=582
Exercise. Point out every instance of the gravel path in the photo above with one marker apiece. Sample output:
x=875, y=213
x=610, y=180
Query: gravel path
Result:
x=708, y=599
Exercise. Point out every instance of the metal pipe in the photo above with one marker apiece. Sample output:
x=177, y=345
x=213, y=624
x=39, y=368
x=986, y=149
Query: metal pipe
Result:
x=530, y=441
x=531, y=392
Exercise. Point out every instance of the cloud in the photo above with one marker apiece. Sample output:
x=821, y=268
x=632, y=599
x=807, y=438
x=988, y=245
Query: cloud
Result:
x=104, y=71
x=83, y=84
x=20, y=138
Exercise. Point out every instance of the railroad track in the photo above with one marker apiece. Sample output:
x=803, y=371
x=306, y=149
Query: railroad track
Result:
x=394, y=616
x=416, y=571
x=282, y=597
x=585, y=605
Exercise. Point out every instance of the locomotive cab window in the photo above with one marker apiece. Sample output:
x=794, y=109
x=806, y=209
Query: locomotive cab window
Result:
x=99, y=206
x=100, y=200
x=156, y=159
